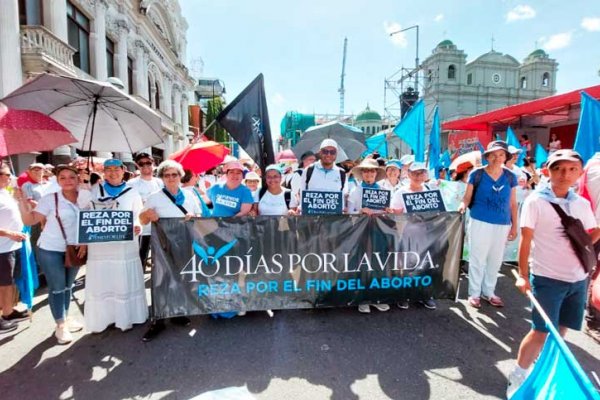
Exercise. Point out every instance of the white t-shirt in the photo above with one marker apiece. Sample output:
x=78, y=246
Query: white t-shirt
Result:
x=51, y=238
x=272, y=204
x=165, y=208
x=10, y=218
x=397, y=201
x=386, y=184
x=145, y=188
x=355, y=200
x=552, y=253
x=321, y=180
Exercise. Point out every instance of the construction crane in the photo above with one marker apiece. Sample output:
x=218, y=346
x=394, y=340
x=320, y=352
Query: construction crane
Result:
x=341, y=89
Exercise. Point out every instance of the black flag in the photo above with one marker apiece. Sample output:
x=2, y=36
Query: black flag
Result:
x=247, y=121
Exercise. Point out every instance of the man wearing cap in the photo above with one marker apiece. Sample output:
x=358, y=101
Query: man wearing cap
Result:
x=557, y=278
x=145, y=184
x=306, y=160
x=231, y=198
x=33, y=189
x=323, y=175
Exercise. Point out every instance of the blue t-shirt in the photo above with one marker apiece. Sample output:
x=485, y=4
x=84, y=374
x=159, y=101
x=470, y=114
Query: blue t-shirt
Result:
x=491, y=199
x=227, y=202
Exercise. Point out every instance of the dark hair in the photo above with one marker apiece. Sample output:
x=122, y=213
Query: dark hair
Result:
x=94, y=178
x=127, y=176
x=524, y=136
x=61, y=167
x=528, y=161
x=187, y=176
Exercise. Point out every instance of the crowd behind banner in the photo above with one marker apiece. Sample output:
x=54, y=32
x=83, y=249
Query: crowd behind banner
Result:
x=103, y=218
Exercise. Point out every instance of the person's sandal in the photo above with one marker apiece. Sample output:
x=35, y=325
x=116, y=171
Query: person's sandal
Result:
x=494, y=301
x=475, y=302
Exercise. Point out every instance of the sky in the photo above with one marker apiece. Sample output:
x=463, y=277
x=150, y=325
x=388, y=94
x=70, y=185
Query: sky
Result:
x=298, y=45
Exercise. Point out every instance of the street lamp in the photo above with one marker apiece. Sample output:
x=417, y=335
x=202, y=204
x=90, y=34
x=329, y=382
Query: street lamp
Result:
x=417, y=56
x=222, y=86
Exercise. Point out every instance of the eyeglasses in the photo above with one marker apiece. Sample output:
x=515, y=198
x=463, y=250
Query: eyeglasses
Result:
x=328, y=152
x=173, y=175
x=145, y=164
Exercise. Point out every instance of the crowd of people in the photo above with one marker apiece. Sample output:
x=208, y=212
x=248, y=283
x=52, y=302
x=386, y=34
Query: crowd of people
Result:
x=493, y=194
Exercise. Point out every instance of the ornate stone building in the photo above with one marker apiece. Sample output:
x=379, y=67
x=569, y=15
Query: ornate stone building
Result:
x=141, y=42
x=493, y=80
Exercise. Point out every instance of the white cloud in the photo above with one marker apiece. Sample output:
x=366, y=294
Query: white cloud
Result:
x=399, y=39
x=558, y=41
x=591, y=24
x=439, y=18
x=277, y=99
x=520, y=12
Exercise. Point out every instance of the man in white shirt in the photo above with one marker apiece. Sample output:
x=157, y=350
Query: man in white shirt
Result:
x=323, y=175
x=558, y=279
x=145, y=184
x=11, y=239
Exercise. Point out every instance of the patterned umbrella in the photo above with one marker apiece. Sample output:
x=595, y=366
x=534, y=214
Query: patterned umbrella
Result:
x=24, y=131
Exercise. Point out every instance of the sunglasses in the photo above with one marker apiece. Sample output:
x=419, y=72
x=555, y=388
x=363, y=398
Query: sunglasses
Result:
x=329, y=152
x=145, y=163
x=174, y=175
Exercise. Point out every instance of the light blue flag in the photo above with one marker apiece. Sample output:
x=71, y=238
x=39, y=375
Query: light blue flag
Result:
x=541, y=156
x=377, y=143
x=511, y=140
x=556, y=374
x=27, y=282
x=411, y=129
x=587, y=141
x=445, y=159
x=434, y=144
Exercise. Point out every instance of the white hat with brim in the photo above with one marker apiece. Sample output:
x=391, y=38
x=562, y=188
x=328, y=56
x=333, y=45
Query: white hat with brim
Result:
x=233, y=165
x=368, y=163
x=417, y=166
x=252, y=176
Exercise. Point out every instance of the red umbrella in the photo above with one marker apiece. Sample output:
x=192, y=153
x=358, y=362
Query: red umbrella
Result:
x=286, y=155
x=24, y=131
x=201, y=156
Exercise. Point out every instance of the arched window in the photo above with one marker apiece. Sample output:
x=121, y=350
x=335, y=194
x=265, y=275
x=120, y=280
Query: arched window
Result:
x=523, y=83
x=546, y=79
x=452, y=72
x=368, y=130
x=469, y=79
x=149, y=91
x=157, y=98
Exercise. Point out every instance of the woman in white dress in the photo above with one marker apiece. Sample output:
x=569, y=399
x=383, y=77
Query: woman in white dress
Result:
x=114, y=289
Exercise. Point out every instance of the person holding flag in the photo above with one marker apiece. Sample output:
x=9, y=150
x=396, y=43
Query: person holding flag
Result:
x=557, y=278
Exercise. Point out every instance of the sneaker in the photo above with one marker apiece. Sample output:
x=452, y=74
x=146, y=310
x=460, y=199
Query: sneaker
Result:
x=429, y=304
x=17, y=316
x=364, y=308
x=475, y=302
x=181, y=321
x=63, y=335
x=403, y=305
x=156, y=327
x=494, y=301
x=74, y=325
x=592, y=332
x=515, y=380
x=381, y=307
x=241, y=313
x=7, y=326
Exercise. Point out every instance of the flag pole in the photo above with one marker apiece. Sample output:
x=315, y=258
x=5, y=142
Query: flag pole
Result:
x=201, y=134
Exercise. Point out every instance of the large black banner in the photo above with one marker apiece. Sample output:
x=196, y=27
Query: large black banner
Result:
x=210, y=265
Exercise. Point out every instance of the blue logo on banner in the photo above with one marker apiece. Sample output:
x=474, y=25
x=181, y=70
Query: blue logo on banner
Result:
x=209, y=256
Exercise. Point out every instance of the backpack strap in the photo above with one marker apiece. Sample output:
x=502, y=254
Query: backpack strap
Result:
x=311, y=169
x=262, y=192
x=287, y=196
x=170, y=196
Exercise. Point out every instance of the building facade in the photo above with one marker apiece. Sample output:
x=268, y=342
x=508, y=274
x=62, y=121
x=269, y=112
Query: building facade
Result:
x=493, y=80
x=141, y=42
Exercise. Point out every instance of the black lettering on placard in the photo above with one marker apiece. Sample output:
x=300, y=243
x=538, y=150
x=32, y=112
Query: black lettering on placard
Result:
x=104, y=226
x=430, y=200
x=375, y=199
x=321, y=203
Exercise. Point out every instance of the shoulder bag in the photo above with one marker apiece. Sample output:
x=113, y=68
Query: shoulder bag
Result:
x=72, y=258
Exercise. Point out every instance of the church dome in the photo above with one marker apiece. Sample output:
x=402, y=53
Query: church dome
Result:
x=368, y=115
x=445, y=43
x=539, y=53
x=497, y=58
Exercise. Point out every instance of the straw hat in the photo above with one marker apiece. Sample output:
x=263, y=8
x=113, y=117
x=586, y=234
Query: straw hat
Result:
x=369, y=163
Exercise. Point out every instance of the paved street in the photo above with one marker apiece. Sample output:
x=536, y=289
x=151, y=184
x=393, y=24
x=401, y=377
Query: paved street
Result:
x=451, y=353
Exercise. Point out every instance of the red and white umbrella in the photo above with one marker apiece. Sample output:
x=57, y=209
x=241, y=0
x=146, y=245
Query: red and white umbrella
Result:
x=200, y=157
x=24, y=131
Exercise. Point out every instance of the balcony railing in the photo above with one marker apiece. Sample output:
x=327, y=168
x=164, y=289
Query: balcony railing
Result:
x=39, y=41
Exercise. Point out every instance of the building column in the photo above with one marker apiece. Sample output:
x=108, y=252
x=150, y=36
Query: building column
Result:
x=98, y=41
x=11, y=72
x=177, y=106
x=185, y=127
x=55, y=18
x=167, y=86
x=138, y=71
x=121, y=67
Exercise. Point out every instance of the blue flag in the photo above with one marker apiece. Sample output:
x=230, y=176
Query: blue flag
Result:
x=445, y=159
x=412, y=130
x=27, y=282
x=587, y=141
x=556, y=374
x=541, y=156
x=377, y=143
x=434, y=144
x=511, y=140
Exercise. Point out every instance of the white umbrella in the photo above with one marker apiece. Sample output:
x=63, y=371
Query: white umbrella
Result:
x=100, y=117
x=350, y=139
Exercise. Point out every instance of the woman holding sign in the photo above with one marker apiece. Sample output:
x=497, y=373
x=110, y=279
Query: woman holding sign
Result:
x=417, y=176
x=114, y=290
x=369, y=172
x=58, y=214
